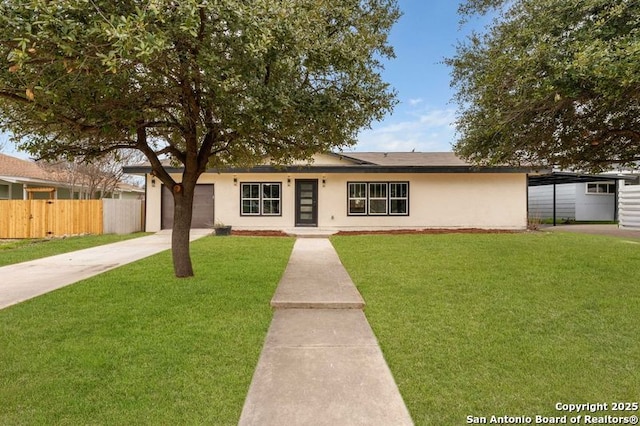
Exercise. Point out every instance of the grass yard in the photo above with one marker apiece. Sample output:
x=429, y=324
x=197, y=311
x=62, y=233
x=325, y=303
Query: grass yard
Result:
x=137, y=346
x=16, y=251
x=502, y=324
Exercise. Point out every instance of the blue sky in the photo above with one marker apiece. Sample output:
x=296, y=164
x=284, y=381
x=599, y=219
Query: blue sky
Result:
x=423, y=119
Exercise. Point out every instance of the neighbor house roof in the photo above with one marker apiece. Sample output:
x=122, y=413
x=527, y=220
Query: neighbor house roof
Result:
x=13, y=167
x=368, y=162
x=17, y=170
x=127, y=187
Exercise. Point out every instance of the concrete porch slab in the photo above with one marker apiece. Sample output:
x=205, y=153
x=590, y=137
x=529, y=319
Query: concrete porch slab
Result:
x=311, y=232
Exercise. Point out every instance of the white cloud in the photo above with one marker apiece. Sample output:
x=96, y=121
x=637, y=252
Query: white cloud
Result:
x=428, y=130
x=438, y=118
x=414, y=102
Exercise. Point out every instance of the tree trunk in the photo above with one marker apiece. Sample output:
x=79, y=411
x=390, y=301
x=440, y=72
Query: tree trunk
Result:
x=182, y=214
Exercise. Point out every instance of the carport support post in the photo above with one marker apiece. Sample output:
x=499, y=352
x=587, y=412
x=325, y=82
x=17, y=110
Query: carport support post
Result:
x=554, y=204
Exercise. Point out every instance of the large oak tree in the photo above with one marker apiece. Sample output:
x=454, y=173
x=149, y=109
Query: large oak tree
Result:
x=552, y=82
x=206, y=83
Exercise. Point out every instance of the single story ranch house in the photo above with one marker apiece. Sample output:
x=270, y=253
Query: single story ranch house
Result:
x=351, y=191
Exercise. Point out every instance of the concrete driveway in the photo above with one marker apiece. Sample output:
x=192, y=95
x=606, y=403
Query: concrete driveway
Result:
x=23, y=281
x=610, y=230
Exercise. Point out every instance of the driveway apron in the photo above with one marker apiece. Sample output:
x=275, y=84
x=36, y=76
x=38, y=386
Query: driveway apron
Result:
x=23, y=281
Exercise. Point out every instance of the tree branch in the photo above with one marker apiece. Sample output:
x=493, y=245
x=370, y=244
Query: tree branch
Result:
x=156, y=165
x=16, y=98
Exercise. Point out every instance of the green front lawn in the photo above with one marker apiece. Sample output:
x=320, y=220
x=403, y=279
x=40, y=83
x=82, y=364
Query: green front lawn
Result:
x=16, y=251
x=137, y=346
x=503, y=324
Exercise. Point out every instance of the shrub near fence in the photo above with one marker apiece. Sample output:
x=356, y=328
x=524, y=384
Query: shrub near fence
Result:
x=55, y=218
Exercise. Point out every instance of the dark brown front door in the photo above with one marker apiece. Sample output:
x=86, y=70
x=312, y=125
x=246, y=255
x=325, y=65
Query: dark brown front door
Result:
x=306, y=202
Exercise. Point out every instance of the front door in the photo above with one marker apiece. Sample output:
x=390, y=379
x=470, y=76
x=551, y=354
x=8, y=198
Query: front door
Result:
x=306, y=202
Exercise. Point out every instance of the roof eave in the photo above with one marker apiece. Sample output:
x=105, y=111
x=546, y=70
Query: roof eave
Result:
x=347, y=169
x=560, y=178
x=28, y=181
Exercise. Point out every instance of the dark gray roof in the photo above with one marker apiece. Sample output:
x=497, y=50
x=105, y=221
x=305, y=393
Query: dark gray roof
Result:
x=559, y=178
x=407, y=159
x=369, y=162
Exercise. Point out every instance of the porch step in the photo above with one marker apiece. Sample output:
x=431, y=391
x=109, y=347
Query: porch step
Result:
x=311, y=232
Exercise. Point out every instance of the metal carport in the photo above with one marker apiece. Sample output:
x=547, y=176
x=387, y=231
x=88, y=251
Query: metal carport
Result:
x=558, y=178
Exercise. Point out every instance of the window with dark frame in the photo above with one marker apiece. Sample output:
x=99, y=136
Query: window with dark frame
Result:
x=357, y=199
x=398, y=198
x=260, y=198
x=378, y=198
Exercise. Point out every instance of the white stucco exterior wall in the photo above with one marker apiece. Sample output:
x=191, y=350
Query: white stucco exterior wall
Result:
x=436, y=200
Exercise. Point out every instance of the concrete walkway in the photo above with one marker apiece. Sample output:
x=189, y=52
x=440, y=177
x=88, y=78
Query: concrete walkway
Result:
x=321, y=363
x=23, y=281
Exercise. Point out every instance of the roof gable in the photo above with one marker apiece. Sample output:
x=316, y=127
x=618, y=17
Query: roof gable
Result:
x=408, y=159
x=323, y=159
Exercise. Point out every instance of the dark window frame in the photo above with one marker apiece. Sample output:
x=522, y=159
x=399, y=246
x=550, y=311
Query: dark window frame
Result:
x=367, y=198
x=261, y=199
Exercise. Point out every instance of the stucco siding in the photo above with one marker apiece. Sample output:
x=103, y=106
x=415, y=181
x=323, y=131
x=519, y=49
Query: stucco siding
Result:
x=455, y=200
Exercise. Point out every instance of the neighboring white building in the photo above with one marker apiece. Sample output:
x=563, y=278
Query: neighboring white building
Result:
x=352, y=191
x=629, y=205
x=586, y=198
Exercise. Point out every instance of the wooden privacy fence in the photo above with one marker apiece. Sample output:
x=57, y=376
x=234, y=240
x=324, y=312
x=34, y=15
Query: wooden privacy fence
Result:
x=48, y=218
x=54, y=218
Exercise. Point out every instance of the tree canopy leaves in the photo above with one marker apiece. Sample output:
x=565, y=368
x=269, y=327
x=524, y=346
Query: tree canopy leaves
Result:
x=243, y=79
x=552, y=82
x=206, y=83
